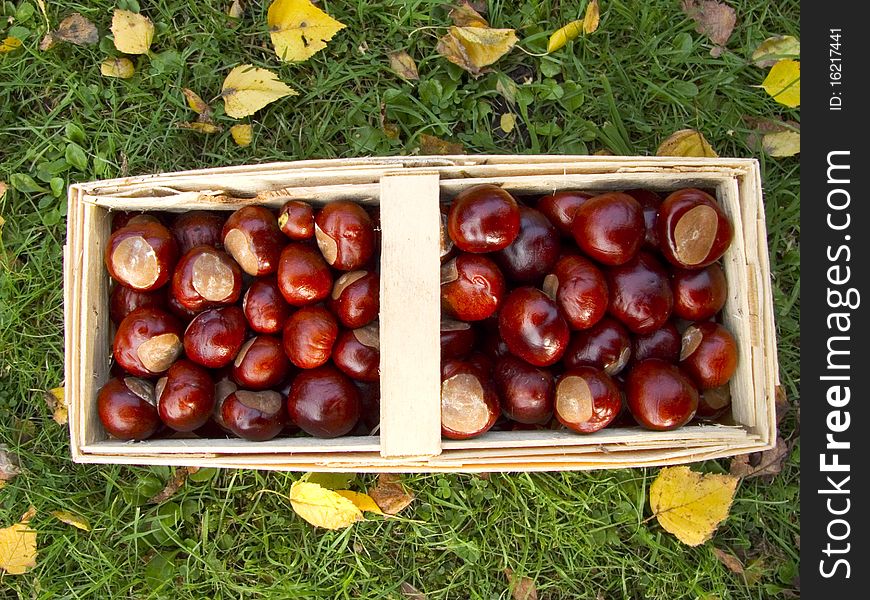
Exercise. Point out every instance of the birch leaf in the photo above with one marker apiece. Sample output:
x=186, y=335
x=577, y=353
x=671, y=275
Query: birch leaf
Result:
x=195, y=102
x=364, y=502
x=64, y=516
x=133, y=32
x=592, y=17
x=201, y=127
x=322, y=507
x=474, y=48
x=507, y=122
x=9, y=44
x=117, y=67
x=783, y=82
x=782, y=144
x=56, y=400
x=565, y=34
x=403, y=65
x=774, y=48
x=299, y=29
x=243, y=134
x=686, y=142
x=465, y=16
x=247, y=89
x=18, y=546
x=236, y=9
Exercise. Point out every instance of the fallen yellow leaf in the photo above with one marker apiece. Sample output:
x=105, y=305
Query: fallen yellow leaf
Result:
x=247, y=89
x=783, y=82
x=686, y=142
x=299, y=29
x=390, y=495
x=9, y=44
x=58, y=406
x=474, y=48
x=322, y=507
x=242, y=134
x=69, y=518
x=18, y=546
x=201, y=127
x=774, y=48
x=565, y=34
x=691, y=505
x=364, y=502
x=507, y=122
x=195, y=102
x=236, y=9
x=403, y=65
x=133, y=32
x=782, y=143
x=465, y=16
x=117, y=67
x=77, y=30
x=592, y=17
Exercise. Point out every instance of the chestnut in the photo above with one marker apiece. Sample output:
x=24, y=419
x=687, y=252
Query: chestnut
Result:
x=699, y=293
x=215, y=336
x=358, y=353
x=663, y=343
x=309, y=335
x=252, y=238
x=296, y=220
x=303, y=275
x=660, y=396
x=182, y=313
x=560, y=208
x=457, y=338
x=127, y=410
x=324, y=402
x=605, y=345
x=525, y=391
x=223, y=387
x=650, y=202
x=370, y=405
x=197, y=228
x=345, y=235
x=472, y=287
x=708, y=354
x=147, y=342
x=491, y=343
x=355, y=298
x=483, y=218
x=609, y=228
x=122, y=218
x=534, y=250
x=482, y=362
x=714, y=403
x=640, y=293
x=141, y=255
x=185, y=396
x=206, y=277
x=580, y=291
x=532, y=327
x=261, y=363
x=124, y=300
x=693, y=230
x=265, y=307
x=254, y=416
x=586, y=399
x=469, y=404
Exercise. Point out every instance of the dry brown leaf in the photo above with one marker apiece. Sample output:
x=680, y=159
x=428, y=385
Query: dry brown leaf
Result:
x=474, y=48
x=731, y=562
x=390, y=495
x=464, y=15
x=412, y=593
x=243, y=134
x=754, y=571
x=175, y=483
x=236, y=9
x=713, y=19
x=8, y=461
x=18, y=546
x=117, y=67
x=686, y=142
x=195, y=102
x=3, y=188
x=403, y=65
x=761, y=464
x=392, y=131
x=429, y=144
x=47, y=42
x=522, y=588
x=780, y=398
x=77, y=30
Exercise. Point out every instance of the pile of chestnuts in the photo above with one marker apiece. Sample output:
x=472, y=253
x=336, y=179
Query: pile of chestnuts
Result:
x=596, y=309
x=249, y=323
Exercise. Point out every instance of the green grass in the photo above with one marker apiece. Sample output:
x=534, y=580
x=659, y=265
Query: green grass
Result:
x=643, y=75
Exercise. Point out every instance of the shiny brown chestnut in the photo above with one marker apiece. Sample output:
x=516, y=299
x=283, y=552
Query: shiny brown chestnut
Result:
x=491, y=343
x=472, y=287
x=660, y=396
x=609, y=228
x=640, y=293
x=127, y=410
x=147, y=342
x=124, y=300
x=261, y=363
x=206, y=277
x=303, y=276
x=580, y=291
x=324, y=402
x=370, y=405
x=663, y=343
x=141, y=255
x=693, y=230
x=264, y=306
x=560, y=208
x=708, y=354
x=182, y=313
x=469, y=403
x=309, y=336
x=483, y=218
x=534, y=250
x=586, y=399
x=357, y=353
x=355, y=298
x=185, y=396
x=714, y=403
x=699, y=293
x=254, y=416
x=482, y=362
x=650, y=202
x=532, y=327
x=251, y=236
x=296, y=220
x=345, y=235
x=457, y=338
x=198, y=228
x=525, y=392
x=122, y=218
x=215, y=336
x=606, y=345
